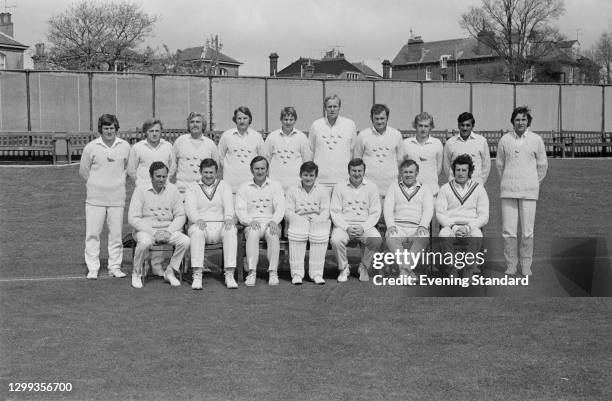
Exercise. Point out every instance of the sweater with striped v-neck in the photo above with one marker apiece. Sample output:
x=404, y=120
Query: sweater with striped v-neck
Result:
x=214, y=204
x=468, y=205
x=408, y=205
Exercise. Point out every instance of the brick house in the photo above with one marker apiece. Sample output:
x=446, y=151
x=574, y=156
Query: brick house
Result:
x=197, y=60
x=11, y=51
x=332, y=65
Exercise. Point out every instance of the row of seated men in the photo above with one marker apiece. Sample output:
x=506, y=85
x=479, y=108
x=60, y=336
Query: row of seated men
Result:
x=157, y=215
x=331, y=143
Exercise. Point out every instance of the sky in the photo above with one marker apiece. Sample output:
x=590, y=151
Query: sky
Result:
x=364, y=30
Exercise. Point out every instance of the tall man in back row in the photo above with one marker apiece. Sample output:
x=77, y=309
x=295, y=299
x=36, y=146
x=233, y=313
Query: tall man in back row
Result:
x=332, y=139
x=104, y=165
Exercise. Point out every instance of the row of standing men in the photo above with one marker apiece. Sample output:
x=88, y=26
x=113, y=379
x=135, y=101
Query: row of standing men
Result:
x=331, y=142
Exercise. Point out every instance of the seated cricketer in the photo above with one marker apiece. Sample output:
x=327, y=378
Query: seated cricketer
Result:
x=209, y=205
x=462, y=208
x=156, y=212
x=307, y=214
x=408, y=209
x=355, y=210
x=260, y=207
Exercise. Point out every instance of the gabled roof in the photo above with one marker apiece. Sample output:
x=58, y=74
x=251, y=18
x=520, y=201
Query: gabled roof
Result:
x=197, y=53
x=458, y=49
x=7, y=41
x=367, y=71
x=332, y=67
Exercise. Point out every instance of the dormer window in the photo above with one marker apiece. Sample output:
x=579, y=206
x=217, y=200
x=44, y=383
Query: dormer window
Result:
x=444, y=61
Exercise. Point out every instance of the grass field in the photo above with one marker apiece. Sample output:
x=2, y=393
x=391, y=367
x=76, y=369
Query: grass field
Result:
x=332, y=342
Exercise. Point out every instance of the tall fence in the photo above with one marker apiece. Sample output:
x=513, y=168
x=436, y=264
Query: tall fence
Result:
x=71, y=101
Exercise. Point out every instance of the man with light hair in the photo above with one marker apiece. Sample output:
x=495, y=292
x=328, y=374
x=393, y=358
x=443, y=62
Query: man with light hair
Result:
x=380, y=147
x=237, y=147
x=103, y=165
x=355, y=210
x=332, y=140
x=209, y=205
x=260, y=207
x=522, y=165
x=307, y=214
x=408, y=209
x=156, y=212
x=462, y=209
x=189, y=150
x=426, y=150
x=287, y=148
x=471, y=143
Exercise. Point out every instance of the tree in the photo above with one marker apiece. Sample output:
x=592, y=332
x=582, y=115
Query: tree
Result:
x=519, y=31
x=94, y=36
x=602, y=54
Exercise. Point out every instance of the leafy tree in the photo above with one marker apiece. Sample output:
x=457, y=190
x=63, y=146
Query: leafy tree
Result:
x=602, y=54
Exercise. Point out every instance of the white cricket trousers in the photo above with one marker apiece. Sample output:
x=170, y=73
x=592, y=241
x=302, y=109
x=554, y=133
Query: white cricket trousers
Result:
x=252, y=247
x=213, y=234
x=406, y=234
x=514, y=210
x=370, y=239
x=144, y=241
x=300, y=231
x=94, y=222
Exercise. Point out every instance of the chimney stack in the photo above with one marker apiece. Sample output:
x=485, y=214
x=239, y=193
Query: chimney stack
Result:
x=6, y=26
x=273, y=64
x=386, y=69
x=309, y=70
x=415, y=49
x=40, y=49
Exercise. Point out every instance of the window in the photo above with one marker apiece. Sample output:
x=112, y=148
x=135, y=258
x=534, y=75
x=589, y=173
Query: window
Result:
x=2, y=61
x=222, y=71
x=444, y=61
x=570, y=78
x=427, y=73
x=460, y=77
x=444, y=77
x=352, y=75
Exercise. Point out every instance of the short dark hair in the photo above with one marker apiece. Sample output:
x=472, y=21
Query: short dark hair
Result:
x=356, y=162
x=407, y=163
x=149, y=122
x=157, y=166
x=521, y=110
x=107, y=119
x=288, y=111
x=208, y=162
x=377, y=109
x=308, y=167
x=465, y=116
x=464, y=159
x=243, y=110
x=257, y=159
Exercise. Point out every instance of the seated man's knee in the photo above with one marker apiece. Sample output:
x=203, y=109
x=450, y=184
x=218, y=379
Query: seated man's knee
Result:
x=446, y=232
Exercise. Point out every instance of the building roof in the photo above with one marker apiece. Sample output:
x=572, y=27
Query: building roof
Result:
x=7, y=41
x=367, y=71
x=332, y=67
x=458, y=49
x=197, y=53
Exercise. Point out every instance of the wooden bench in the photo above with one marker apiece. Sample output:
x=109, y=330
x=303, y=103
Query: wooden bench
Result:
x=26, y=143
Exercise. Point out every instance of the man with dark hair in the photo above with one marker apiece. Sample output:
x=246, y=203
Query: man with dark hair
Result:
x=260, y=207
x=189, y=150
x=287, y=148
x=237, y=147
x=380, y=146
x=408, y=209
x=332, y=139
x=522, y=165
x=103, y=165
x=157, y=215
x=468, y=142
x=462, y=209
x=209, y=205
x=355, y=210
x=307, y=213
